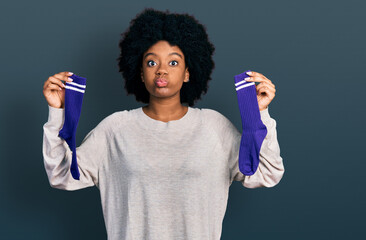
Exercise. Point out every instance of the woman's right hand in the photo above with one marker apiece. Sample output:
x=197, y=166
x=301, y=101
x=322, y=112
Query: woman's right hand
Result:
x=54, y=89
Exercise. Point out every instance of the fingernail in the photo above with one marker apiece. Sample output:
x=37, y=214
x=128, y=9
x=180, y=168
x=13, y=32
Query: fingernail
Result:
x=63, y=85
x=70, y=79
x=70, y=73
x=60, y=88
x=246, y=79
x=249, y=73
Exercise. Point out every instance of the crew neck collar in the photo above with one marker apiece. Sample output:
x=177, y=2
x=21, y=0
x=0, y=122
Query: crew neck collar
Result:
x=151, y=123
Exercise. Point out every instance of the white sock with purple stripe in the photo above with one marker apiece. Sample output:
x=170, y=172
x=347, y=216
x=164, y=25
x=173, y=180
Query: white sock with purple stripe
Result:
x=74, y=92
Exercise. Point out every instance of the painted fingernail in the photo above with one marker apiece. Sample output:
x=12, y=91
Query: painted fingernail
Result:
x=249, y=73
x=70, y=79
x=246, y=79
x=70, y=73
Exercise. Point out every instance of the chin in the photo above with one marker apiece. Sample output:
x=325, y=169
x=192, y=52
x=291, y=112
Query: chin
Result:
x=164, y=93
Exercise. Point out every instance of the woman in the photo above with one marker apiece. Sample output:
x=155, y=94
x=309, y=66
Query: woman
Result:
x=163, y=170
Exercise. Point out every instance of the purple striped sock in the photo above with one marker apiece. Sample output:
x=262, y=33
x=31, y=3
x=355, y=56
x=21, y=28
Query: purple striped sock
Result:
x=74, y=92
x=254, y=131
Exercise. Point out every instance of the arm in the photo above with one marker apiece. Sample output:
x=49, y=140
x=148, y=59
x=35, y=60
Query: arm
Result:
x=270, y=169
x=57, y=154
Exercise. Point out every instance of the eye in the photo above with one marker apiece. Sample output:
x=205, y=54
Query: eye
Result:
x=176, y=63
x=148, y=63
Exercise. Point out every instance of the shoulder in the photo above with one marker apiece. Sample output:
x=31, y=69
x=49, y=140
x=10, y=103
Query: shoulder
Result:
x=117, y=119
x=219, y=124
x=214, y=117
x=216, y=121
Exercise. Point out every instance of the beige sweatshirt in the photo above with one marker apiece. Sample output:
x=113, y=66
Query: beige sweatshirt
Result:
x=160, y=180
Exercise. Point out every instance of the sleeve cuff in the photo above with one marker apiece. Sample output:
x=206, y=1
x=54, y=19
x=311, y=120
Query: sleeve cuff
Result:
x=56, y=116
x=265, y=114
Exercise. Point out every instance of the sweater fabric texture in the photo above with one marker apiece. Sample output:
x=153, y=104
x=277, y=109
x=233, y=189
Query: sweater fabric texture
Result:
x=160, y=180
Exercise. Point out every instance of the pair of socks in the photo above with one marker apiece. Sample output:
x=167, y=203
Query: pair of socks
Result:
x=74, y=92
x=254, y=131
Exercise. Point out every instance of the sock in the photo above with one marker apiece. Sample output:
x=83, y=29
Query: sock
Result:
x=74, y=92
x=254, y=131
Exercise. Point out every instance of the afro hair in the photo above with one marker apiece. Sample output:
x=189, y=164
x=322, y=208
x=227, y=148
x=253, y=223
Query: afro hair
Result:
x=182, y=30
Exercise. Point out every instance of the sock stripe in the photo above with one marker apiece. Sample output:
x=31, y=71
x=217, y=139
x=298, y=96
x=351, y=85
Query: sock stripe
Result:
x=75, y=89
x=238, y=83
x=244, y=85
x=76, y=84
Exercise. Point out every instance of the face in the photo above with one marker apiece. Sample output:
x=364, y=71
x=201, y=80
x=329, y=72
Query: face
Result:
x=162, y=61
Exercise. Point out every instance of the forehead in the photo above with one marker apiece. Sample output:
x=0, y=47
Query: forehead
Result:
x=163, y=47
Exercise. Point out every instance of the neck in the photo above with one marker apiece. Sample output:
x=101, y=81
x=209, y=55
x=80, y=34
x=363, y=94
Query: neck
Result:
x=165, y=110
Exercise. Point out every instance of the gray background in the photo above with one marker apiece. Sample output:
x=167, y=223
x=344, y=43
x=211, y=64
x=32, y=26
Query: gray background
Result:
x=313, y=51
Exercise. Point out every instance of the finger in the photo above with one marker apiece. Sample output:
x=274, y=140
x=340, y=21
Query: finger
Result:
x=263, y=92
x=269, y=81
x=270, y=86
x=257, y=75
x=265, y=88
x=267, y=96
x=53, y=86
x=270, y=95
x=67, y=73
x=266, y=93
x=57, y=81
x=254, y=74
x=64, y=76
x=259, y=79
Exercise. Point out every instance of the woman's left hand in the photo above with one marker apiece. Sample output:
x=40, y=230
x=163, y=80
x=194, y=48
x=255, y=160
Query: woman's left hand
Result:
x=265, y=89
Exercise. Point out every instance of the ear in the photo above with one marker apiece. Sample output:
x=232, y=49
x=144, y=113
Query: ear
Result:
x=186, y=77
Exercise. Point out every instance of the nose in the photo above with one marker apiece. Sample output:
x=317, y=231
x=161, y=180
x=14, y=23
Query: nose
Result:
x=161, y=71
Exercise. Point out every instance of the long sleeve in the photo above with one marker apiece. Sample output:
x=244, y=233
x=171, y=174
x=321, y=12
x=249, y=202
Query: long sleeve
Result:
x=57, y=155
x=270, y=169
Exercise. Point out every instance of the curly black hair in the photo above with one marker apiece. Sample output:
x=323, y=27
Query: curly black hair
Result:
x=182, y=30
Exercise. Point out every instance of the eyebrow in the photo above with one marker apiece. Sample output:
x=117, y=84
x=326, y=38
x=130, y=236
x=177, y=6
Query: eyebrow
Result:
x=173, y=53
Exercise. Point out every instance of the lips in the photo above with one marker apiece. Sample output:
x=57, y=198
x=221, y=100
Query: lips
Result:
x=161, y=82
